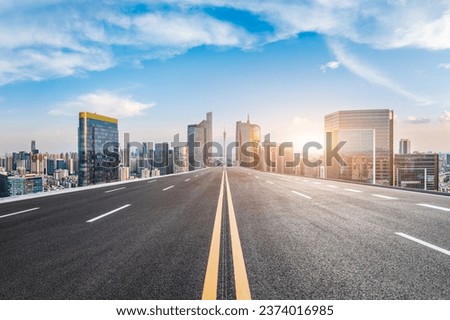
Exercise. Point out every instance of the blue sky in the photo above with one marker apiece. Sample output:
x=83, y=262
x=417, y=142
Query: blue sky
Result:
x=161, y=65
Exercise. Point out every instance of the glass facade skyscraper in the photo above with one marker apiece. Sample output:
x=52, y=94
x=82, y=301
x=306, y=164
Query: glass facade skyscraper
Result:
x=418, y=171
x=98, y=149
x=368, y=151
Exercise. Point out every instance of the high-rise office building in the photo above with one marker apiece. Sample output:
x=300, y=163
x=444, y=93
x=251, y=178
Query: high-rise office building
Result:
x=162, y=158
x=404, y=146
x=196, y=140
x=97, y=134
x=207, y=124
x=126, y=150
x=198, y=135
x=248, y=137
x=417, y=170
x=368, y=149
x=50, y=167
x=146, y=156
x=33, y=147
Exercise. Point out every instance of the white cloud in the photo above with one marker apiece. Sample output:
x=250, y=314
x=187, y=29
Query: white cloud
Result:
x=417, y=120
x=103, y=103
x=188, y=31
x=53, y=38
x=299, y=121
x=417, y=26
x=371, y=74
x=330, y=65
x=444, y=65
x=445, y=117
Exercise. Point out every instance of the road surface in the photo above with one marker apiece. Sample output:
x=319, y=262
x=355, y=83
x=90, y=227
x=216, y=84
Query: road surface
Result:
x=233, y=234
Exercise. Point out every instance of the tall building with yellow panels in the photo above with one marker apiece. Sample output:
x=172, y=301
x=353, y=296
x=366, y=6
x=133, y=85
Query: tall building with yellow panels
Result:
x=98, y=149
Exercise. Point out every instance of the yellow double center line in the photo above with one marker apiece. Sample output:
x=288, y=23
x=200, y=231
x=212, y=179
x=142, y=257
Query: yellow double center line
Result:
x=212, y=269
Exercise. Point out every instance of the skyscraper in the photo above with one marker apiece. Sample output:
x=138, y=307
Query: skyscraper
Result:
x=126, y=149
x=98, y=149
x=247, y=133
x=33, y=147
x=162, y=158
x=368, y=149
x=198, y=135
x=404, y=147
x=208, y=127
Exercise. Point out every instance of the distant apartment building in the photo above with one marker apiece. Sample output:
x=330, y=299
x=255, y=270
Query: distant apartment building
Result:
x=278, y=158
x=248, y=138
x=61, y=174
x=181, y=159
x=124, y=173
x=95, y=132
x=145, y=173
x=368, y=150
x=11, y=186
x=417, y=171
x=198, y=135
x=37, y=163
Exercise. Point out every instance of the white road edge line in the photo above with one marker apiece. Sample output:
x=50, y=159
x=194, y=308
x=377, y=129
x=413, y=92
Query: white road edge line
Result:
x=114, y=190
x=384, y=197
x=187, y=180
x=19, y=212
x=196, y=176
x=331, y=186
x=353, y=190
x=433, y=207
x=429, y=245
x=152, y=181
x=301, y=194
x=168, y=188
x=108, y=213
x=269, y=181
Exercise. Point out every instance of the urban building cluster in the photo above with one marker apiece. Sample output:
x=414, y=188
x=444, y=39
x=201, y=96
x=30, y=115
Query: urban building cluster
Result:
x=103, y=160
x=368, y=154
x=31, y=172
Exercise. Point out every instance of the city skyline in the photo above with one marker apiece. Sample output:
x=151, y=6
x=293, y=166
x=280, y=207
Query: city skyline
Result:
x=285, y=64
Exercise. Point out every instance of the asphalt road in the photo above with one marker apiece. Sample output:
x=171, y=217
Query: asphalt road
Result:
x=279, y=237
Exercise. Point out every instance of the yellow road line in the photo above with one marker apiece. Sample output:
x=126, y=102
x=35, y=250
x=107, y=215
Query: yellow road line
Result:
x=212, y=268
x=240, y=272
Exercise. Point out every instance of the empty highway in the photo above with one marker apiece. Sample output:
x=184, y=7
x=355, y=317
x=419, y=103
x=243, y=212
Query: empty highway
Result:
x=233, y=234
